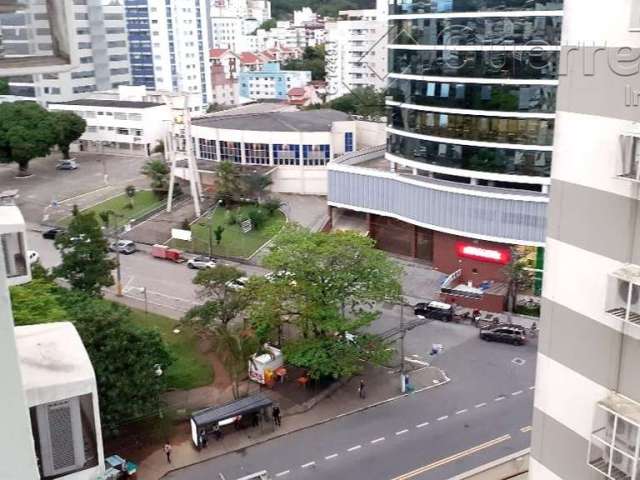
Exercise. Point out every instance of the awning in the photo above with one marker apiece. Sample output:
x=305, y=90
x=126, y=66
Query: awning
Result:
x=244, y=406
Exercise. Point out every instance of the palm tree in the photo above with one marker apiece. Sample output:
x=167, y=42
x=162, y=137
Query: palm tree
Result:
x=256, y=185
x=158, y=173
x=234, y=348
x=130, y=192
x=518, y=276
x=227, y=183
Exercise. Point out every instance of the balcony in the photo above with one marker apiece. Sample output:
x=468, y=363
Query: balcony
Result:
x=615, y=438
x=368, y=182
x=623, y=294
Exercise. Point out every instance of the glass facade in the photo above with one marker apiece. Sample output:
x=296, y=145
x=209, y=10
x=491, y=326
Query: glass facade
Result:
x=256, y=153
x=207, y=149
x=316, y=155
x=284, y=154
x=398, y=7
x=527, y=131
x=231, y=151
x=513, y=98
x=493, y=160
x=475, y=63
x=477, y=31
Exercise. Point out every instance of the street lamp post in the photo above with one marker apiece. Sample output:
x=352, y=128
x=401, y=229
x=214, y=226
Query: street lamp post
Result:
x=402, y=335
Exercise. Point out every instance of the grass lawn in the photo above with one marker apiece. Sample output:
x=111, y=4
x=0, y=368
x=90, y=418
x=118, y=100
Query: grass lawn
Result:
x=234, y=243
x=190, y=368
x=143, y=202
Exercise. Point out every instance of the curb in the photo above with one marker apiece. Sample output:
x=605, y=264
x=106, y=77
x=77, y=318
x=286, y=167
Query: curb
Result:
x=315, y=424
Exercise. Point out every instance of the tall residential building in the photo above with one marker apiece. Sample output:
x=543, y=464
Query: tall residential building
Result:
x=586, y=419
x=169, y=45
x=100, y=44
x=356, y=50
x=470, y=109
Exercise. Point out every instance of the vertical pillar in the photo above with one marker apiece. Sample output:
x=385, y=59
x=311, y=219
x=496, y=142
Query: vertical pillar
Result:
x=370, y=226
x=414, y=242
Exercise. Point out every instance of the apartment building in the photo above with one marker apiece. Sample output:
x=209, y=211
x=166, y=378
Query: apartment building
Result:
x=586, y=419
x=169, y=47
x=356, y=46
x=99, y=43
x=271, y=83
x=470, y=124
x=128, y=124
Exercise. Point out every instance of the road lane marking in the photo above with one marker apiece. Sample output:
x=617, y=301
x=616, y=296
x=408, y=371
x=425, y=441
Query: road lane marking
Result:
x=285, y=472
x=356, y=447
x=310, y=464
x=402, y=432
x=420, y=425
x=444, y=417
x=526, y=429
x=417, y=362
x=381, y=439
x=516, y=393
x=497, y=399
x=329, y=457
x=460, y=412
x=452, y=458
x=532, y=387
x=480, y=405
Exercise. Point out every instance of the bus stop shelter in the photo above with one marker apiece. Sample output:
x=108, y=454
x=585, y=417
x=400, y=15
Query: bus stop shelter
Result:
x=229, y=413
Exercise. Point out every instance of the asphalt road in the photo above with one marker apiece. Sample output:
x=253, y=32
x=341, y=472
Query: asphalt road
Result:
x=432, y=435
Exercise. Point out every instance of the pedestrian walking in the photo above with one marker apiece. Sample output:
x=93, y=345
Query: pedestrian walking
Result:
x=217, y=432
x=361, y=392
x=203, y=438
x=167, y=451
x=276, y=415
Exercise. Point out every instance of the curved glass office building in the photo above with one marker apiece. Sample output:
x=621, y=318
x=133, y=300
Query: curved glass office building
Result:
x=471, y=109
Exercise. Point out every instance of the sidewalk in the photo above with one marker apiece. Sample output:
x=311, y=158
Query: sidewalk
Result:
x=382, y=385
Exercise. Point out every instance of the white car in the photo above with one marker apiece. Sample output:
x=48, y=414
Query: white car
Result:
x=67, y=165
x=33, y=256
x=201, y=263
x=237, y=284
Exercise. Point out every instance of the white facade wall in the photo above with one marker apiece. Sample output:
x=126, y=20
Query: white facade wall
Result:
x=356, y=53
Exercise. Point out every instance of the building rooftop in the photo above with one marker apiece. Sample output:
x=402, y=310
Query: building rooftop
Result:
x=306, y=121
x=10, y=218
x=53, y=362
x=91, y=102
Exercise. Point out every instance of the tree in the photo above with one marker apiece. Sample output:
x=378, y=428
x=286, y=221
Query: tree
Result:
x=313, y=60
x=227, y=182
x=234, y=347
x=256, y=185
x=268, y=24
x=219, y=230
x=158, y=173
x=130, y=192
x=518, y=278
x=85, y=262
x=105, y=217
x=329, y=285
x=69, y=128
x=222, y=302
x=4, y=87
x=36, y=302
x=364, y=101
x=26, y=132
x=214, y=107
x=124, y=358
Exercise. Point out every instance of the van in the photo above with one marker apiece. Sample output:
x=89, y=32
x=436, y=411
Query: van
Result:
x=435, y=310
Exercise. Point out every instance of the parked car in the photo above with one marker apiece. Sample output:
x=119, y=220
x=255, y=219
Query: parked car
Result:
x=238, y=283
x=117, y=468
x=514, y=334
x=201, y=263
x=67, y=165
x=126, y=247
x=52, y=233
x=435, y=310
x=33, y=256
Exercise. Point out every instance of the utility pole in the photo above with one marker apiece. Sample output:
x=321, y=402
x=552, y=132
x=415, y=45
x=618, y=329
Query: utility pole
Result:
x=118, y=271
x=402, y=335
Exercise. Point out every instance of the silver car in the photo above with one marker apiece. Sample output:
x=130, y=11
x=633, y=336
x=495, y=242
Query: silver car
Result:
x=126, y=247
x=201, y=263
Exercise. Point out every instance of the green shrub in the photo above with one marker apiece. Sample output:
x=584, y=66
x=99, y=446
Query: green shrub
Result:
x=186, y=224
x=230, y=217
x=272, y=205
x=258, y=217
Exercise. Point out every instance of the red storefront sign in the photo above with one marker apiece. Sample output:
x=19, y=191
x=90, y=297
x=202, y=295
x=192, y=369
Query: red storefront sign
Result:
x=476, y=252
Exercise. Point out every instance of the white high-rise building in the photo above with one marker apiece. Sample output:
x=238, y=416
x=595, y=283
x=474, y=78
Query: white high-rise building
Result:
x=357, y=50
x=100, y=44
x=169, y=47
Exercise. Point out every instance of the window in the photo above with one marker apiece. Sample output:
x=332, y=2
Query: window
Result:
x=257, y=153
x=615, y=438
x=122, y=131
x=348, y=142
x=14, y=254
x=231, y=151
x=315, y=155
x=207, y=149
x=286, y=154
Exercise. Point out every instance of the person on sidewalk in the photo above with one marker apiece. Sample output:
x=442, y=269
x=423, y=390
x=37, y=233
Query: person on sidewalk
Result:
x=167, y=451
x=276, y=415
x=217, y=432
x=203, y=439
x=361, y=391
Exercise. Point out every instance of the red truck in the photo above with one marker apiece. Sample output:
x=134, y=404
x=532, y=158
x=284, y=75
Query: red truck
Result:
x=164, y=252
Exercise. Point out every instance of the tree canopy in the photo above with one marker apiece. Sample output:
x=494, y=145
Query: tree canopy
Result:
x=69, y=128
x=158, y=173
x=85, y=261
x=282, y=9
x=313, y=60
x=327, y=287
x=365, y=101
x=27, y=131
